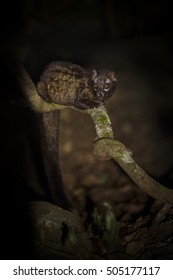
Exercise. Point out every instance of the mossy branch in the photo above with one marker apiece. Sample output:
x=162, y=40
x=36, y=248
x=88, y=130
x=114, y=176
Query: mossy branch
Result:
x=101, y=122
x=105, y=147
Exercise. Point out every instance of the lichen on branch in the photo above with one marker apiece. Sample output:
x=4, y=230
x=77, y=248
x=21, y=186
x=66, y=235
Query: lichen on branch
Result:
x=106, y=148
x=101, y=122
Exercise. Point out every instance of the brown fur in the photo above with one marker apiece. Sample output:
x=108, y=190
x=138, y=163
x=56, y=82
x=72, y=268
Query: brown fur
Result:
x=70, y=85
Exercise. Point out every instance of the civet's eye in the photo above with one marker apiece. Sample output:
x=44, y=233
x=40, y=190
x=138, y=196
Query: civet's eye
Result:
x=95, y=86
x=107, y=86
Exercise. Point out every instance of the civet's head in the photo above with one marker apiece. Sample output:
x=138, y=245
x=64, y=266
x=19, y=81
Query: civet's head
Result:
x=104, y=83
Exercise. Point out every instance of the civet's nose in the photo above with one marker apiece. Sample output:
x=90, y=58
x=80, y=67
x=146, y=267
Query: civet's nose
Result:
x=100, y=94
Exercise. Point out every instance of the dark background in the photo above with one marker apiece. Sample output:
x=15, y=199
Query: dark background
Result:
x=134, y=38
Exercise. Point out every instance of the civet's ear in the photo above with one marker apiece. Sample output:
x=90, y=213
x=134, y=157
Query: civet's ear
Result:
x=94, y=73
x=113, y=76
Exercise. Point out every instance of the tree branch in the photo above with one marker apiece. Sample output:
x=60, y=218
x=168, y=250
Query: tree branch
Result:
x=105, y=148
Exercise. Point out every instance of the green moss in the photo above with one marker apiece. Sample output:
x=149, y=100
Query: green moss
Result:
x=103, y=119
